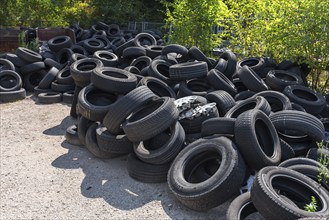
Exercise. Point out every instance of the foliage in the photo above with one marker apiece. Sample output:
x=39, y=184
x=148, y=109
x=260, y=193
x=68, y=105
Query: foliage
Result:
x=245, y=27
x=286, y=30
x=324, y=160
x=52, y=13
x=32, y=45
x=122, y=11
x=31, y=13
x=192, y=22
x=312, y=207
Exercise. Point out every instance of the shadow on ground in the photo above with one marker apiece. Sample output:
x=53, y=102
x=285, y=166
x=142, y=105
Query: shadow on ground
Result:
x=59, y=130
x=109, y=179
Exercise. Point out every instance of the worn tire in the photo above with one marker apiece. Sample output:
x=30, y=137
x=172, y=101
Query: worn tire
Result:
x=94, y=103
x=279, y=79
x=145, y=172
x=92, y=45
x=257, y=102
x=241, y=207
x=220, y=82
x=31, y=80
x=254, y=132
x=71, y=135
x=199, y=87
x=300, y=161
x=59, y=42
x=179, y=50
x=287, y=152
x=64, y=76
x=68, y=97
x=5, y=64
x=113, y=80
x=14, y=59
x=318, y=154
x=46, y=81
x=165, y=151
x=32, y=67
x=144, y=39
x=50, y=97
x=83, y=125
x=133, y=52
x=160, y=69
x=195, y=53
x=52, y=63
x=296, y=186
x=318, y=174
x=188, y=70
x=13, y=96
x=157, y=86
x=194, y=125
x=58, y=87
x=310, y=100
x=218, y=126
x=10, y=81
x=224, y=101
x=206, y=173
x=28, y=55
x=277, y=100
x=81, y=69
x=124, y=106
x=111, y=143
x=251, y=80
x=231, y=63
x=298, y=121
x=151, y=119
x=92, y=145
x=108, y=58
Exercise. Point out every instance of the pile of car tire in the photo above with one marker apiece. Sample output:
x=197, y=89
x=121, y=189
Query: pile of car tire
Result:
x=47, y=72
x=211, y=128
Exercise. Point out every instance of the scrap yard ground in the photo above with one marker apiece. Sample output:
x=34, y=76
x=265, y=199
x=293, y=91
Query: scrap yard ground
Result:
x=44, y=177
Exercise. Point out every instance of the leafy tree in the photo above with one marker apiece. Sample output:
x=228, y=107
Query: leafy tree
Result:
x=122, y=11
x=244, y=27
x=286, y=30
x=192, y=22
x=32, y=13
x=48, y=13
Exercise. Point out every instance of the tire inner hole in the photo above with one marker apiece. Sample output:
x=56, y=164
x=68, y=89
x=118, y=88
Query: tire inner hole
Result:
x=100, y=98
x=264, y=137
x=294, y=192
x=202, y=166
x=158, y=89
x=284, y=77
x=163, y=69
x=304, y=95
x=114, y=74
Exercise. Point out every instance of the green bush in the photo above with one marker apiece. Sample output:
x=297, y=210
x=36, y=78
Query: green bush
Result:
x=285, y=30
x=192, y=22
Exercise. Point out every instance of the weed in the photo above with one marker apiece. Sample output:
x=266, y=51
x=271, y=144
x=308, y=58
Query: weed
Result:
x=312, y=207
x=324, y=160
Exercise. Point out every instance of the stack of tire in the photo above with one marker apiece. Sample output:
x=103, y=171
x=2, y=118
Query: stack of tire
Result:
x=47, y=74
x=37, y=74
x=207, y=127
x=23, y=70
x=10, y=82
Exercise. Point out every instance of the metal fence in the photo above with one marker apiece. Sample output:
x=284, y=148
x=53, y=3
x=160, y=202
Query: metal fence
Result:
x=144, y=25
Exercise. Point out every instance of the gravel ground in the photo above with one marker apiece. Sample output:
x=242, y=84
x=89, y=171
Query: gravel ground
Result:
x=44, y=177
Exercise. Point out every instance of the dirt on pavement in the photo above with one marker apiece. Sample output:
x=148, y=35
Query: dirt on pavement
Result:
x=44, y=177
